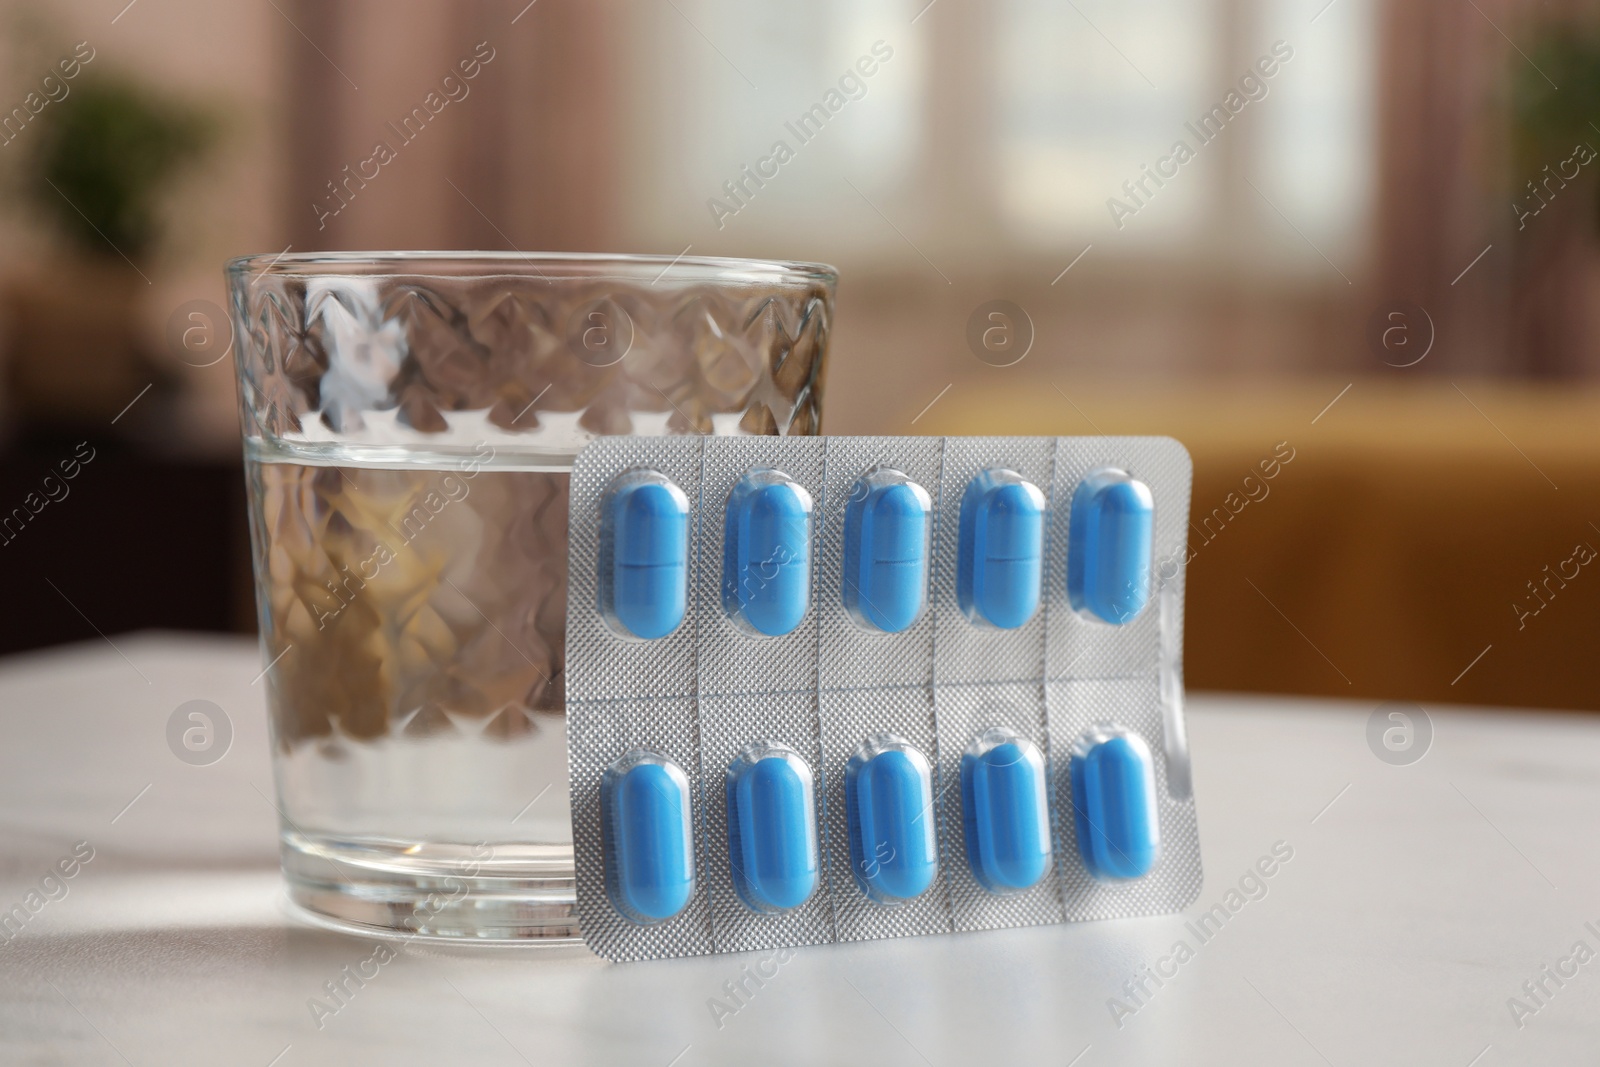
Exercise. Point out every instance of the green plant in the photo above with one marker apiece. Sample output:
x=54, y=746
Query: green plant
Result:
x=1547, y=122
x=104, y=157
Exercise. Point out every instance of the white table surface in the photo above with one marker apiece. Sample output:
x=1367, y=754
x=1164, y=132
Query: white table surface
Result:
x=1414, y=907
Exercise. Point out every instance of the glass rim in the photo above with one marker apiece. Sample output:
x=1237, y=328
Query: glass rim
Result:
x=468, y=265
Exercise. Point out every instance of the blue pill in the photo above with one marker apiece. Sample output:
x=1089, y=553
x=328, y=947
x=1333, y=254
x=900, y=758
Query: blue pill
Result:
x=1005, y=812
x=772, y=829
x=766, y=561
x=648, y=524
x=1109, y=539
x=645, y=810
x=886, y=551
x=1114, y=804
x=1001, y=560
x=888, y=797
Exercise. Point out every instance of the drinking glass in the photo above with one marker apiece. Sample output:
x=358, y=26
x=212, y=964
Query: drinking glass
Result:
x=410, y=421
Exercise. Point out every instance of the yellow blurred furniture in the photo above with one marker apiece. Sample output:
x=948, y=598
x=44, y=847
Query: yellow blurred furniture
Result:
x=1428, y=540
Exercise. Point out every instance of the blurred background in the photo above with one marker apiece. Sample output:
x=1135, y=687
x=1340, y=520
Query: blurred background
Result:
x=1347, y=251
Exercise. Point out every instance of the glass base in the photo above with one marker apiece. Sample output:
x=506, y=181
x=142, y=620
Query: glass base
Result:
x=516, y=893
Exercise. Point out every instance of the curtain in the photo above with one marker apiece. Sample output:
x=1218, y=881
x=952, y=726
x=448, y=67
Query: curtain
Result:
x=1447, y=184
x=459, y=124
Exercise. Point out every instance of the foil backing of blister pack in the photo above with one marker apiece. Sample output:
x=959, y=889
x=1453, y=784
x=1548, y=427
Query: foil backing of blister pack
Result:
x=701, y=694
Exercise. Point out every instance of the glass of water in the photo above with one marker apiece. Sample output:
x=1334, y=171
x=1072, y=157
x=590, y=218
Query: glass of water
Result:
x=410, y=420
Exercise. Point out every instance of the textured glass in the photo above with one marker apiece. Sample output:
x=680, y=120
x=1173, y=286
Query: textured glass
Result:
x=409, y=423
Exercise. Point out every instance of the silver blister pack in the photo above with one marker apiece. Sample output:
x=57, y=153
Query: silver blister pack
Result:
x=872, y=684
x=753, y=687
x=840, y=689
x=985, y=676
x=1131, y=674
x=643, y=700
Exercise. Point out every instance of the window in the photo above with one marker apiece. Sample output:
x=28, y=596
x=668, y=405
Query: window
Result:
x=837, y=84
x=1089, y=92
x=1082, y=105
x=1316, y=154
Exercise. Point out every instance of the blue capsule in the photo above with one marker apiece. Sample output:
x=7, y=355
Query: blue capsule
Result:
x=766, y=558
x=644, y=582
x=1109, y=539
x=644, y=809
x=1005, y=812
x=1001, y=560
x=886, y=551
x=1114, y=803
x=772, y=828
x=888, y=798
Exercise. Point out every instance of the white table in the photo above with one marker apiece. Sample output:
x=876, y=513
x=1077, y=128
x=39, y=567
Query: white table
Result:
x=1415, y=905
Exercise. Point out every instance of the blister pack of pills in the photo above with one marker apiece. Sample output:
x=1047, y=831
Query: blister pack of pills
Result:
x=841, y=688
